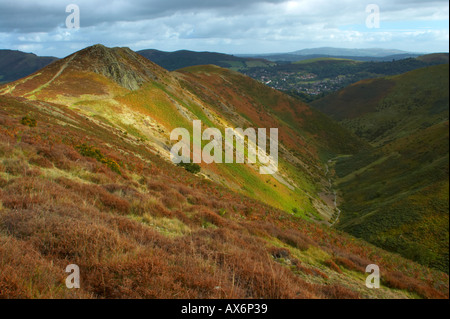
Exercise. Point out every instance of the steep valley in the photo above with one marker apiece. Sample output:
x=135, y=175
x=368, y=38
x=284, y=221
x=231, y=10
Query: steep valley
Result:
x=395, y=195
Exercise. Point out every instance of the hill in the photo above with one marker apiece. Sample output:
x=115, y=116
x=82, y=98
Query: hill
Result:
x=381, y=110
x=85, y=178
x=396, y=195
x=438, y=58
x=16, y=64
x=322, y=59
x=329, y=51
x=182, y=59
x=123, y=89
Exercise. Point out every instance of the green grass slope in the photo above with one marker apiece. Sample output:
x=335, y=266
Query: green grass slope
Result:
x=397, y=197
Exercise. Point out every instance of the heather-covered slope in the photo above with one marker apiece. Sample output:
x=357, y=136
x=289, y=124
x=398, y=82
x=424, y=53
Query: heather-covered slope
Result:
x=74, y=190
x=123, y=89
x=261, y=106
x=396, y=195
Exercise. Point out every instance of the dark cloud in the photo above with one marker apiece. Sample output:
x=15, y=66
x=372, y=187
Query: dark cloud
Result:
x=44, y=16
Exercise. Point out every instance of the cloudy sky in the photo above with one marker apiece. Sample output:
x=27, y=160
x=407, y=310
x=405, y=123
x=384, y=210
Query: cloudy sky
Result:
x=229, y=26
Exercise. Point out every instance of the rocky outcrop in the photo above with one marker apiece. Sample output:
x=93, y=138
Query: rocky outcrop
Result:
x=122, y=65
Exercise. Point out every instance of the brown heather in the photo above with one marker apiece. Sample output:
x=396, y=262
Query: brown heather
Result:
x=157, y=231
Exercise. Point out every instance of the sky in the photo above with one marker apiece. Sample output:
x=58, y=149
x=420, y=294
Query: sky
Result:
x=228, y=26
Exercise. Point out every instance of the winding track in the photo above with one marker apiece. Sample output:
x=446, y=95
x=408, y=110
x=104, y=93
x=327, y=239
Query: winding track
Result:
x=63, y=67
x=334, y=192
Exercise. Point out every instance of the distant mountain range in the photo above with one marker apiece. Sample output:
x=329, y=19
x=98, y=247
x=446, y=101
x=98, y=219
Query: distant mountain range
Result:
x=351, y=52
x=328, y=52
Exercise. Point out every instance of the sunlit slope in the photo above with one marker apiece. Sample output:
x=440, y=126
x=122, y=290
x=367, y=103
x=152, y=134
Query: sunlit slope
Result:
x=301, y=128
x=74, y=190
x=121, y=88
x=308, y=137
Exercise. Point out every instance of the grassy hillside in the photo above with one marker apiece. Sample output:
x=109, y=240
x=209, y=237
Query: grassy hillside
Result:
x=382, y=110
x=74, y=190
x=265, y=107
x=435, y=58
x=147, y=102
x=396, y=195
x=16, y=64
